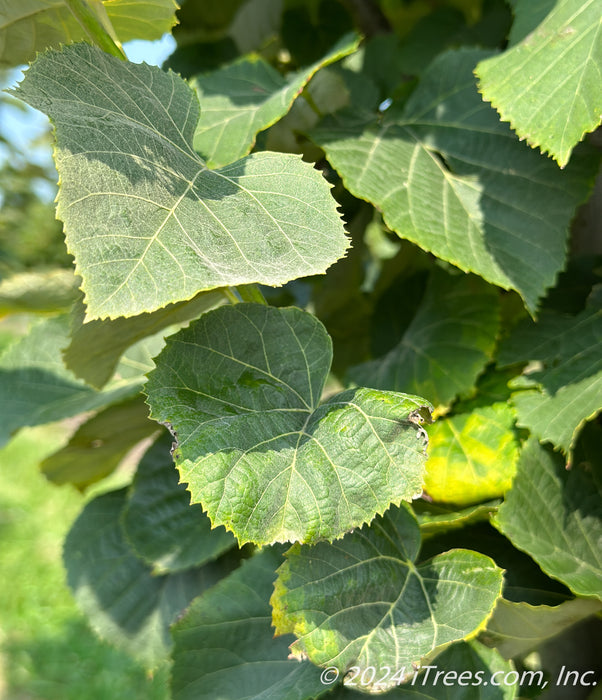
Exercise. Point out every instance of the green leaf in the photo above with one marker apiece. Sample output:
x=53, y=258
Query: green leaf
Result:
x=472, y=456
x=159, y=522
x=548, y=85
x=147, y=222
x=516, y=628
x=224, y=646
x=241, y=388
x=36, y=388
x=435, y=518
x=555, y=515
x=245, y=97
x=125, y=604
x=447, y=344
x=38, y=292
x=100, y=444
x=465, y=670
x=464, y=189
x=30, y=26
x=562, y=385
x=363, y=602
x=96, y=346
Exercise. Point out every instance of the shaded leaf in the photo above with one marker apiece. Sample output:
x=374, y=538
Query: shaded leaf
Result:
x=448, y=343
x=465, y=671
x=241, y=390
x=464, y=187
x=362, y=602
x=548, y=84
x=38, y=292
x=100, y=444
x=516, y=628
x=35, y=386
x=245, y=97
x=96, y=346
x=563, y=382
x=472, y=456
x=124, y=603
x=159, y=522
x=225, y=646
x=555, y=515
x=30, y=26
x=147, y=222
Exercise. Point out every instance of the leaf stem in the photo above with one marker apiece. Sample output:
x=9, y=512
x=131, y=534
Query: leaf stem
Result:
x=231, y=295
x=97, y=27
x=251, y=292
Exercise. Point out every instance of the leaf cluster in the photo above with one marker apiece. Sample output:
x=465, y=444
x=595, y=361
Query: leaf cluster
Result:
x=328, y=305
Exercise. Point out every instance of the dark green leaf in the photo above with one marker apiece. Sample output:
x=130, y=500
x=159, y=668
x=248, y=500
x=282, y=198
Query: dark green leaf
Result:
x=362, y=602
x=447, y=344
x=555, y=515
x=123, y=601
x=463, y=188
x=225, y=646
x=563, y=382
x=241, y=390
x=159, y=522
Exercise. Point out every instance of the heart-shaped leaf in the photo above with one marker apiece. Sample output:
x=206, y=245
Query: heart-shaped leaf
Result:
x=241, y=388
x=148, y=223
x=362, y=601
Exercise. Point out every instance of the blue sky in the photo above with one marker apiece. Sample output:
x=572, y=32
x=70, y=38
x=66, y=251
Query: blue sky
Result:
x=23, y=126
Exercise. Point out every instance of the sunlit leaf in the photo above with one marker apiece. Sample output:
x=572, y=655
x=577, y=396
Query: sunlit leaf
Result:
x=241, y=99
x=29, y=26
x=548, y=84
x=241, y=388
x=555, y=515
x=562, y=386
x=147, y=222
x=472, y=456
x=449, y=176
x=362, y=602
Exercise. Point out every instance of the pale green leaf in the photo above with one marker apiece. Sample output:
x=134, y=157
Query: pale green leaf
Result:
x=562, y=385
x=100, y=444
x=38, y=292
x=35, y=386
x=449, y=176
x=241, y=388
x=465, y=670
x=224, y=646
x=245, y=97
x=446, y=346
x=472, y=456
x=159, y=522
x=435, y=518
x=29, y=26
x=96, y=346
x=147, y=222
x=548, y=85
x=555, y=515
x=362, y=601
x=516, y=628
x=124, y=603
